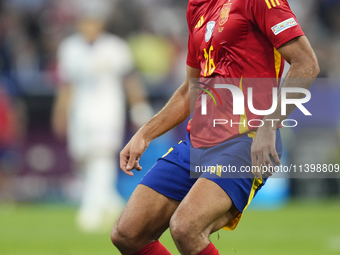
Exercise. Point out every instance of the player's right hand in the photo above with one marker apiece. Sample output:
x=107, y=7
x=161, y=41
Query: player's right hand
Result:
x=262, y=150
x=130, y=155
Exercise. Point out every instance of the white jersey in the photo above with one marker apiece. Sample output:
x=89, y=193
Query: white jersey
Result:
x=96, y=72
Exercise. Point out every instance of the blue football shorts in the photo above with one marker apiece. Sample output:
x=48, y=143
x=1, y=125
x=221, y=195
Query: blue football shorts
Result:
x=227, y=164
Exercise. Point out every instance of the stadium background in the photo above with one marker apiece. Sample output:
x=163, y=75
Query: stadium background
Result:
x=38, y=189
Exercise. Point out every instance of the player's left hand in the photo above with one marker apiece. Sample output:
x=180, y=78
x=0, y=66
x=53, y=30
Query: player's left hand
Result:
x=263, y=149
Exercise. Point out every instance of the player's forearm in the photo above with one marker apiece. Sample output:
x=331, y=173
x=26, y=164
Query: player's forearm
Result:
x=175, y=112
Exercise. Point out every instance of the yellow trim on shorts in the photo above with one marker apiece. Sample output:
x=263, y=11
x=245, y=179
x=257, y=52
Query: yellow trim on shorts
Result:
x=171, y=149
x=256, y=184
x=166, y=154
x=233, y=224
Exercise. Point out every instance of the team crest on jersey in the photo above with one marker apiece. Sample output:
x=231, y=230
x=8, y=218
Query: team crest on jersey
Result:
x=209, y=30
x=225, y=14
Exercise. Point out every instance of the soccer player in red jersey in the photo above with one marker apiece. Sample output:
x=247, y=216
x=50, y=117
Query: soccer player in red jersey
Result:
x=228, y=39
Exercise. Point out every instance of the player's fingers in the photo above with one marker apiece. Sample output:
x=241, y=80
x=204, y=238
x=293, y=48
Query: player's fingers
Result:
x=123, y=160
x=269, y=167
x=260, y=164
x=133, y=161
x=126, y=170
x=276, y=157
x=137, y=166
x=257, y=172
x=255, y=164
x=253, y=159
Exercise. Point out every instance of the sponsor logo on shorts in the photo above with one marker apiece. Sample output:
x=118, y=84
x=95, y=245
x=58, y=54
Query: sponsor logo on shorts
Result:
x=284, y=25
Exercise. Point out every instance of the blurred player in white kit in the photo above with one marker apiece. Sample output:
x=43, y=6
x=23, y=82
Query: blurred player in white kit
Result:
x=96, y=71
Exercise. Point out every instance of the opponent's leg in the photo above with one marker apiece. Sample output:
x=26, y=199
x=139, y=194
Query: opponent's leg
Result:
x=206, y=209
x=98, y=198
x=144, y=219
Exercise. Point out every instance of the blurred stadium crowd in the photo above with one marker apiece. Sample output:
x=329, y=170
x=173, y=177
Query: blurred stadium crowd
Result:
x=34, y=165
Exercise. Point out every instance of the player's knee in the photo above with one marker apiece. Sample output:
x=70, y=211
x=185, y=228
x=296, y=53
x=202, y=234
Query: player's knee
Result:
x=124, y=239
x=181, y=231
x=117, y=238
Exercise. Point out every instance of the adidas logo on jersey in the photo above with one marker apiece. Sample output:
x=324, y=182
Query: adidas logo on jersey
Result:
x=200, y=22
x=272, y=3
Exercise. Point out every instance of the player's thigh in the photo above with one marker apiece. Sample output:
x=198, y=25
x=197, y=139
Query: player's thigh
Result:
x=146, y=215
x=206, y=209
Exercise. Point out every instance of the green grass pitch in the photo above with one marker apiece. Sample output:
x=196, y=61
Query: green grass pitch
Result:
x=300, y=228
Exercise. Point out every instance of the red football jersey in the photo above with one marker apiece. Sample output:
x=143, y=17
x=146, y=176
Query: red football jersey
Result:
x=236, y=39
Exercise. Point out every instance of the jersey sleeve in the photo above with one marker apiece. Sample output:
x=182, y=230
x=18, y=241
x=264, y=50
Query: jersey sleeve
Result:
x=275, y=19
x=192, y=58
